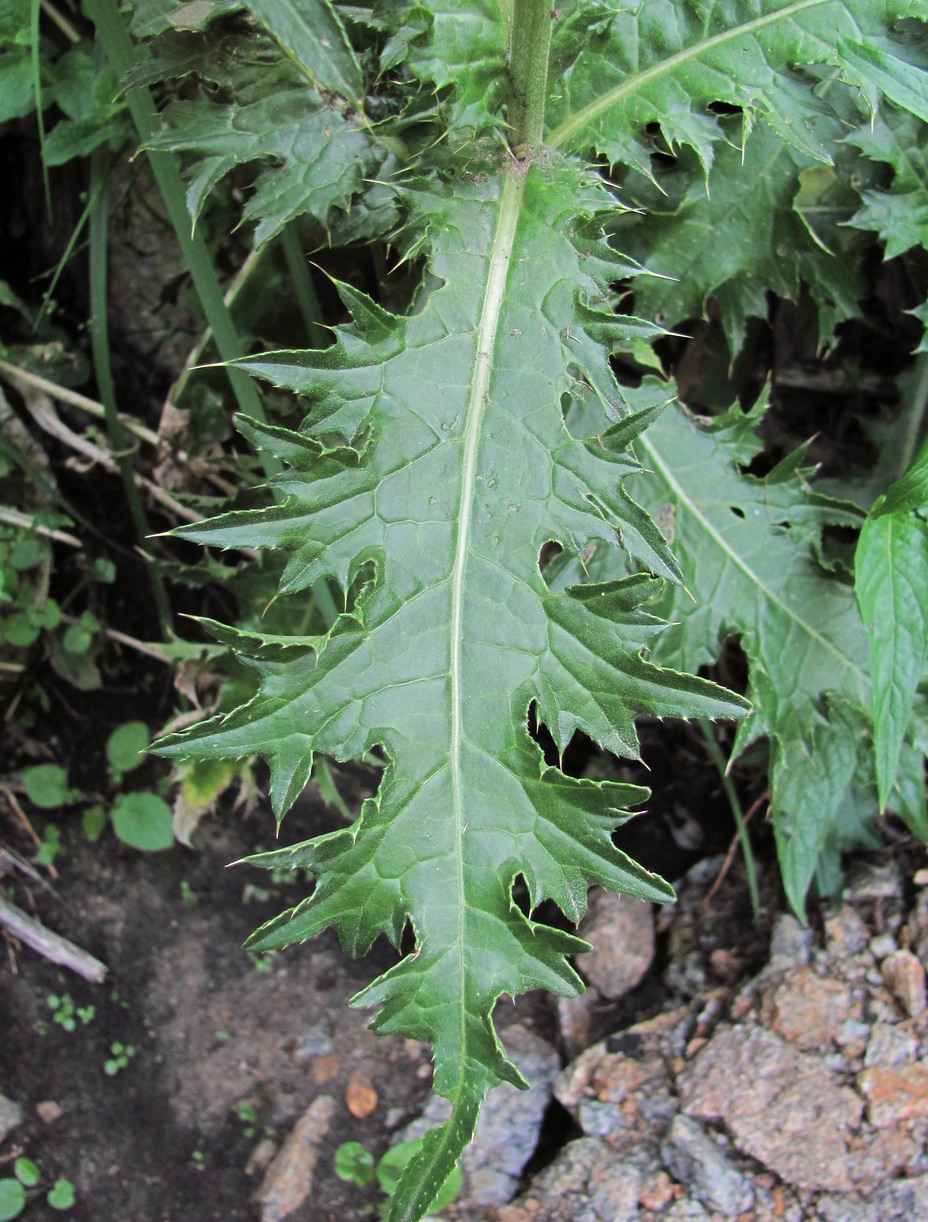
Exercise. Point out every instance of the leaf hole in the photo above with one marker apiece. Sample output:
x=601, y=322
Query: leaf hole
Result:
x=737, y=511
x=549, y=552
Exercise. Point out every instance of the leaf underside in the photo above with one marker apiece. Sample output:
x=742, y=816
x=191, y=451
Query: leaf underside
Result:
x=437, y=460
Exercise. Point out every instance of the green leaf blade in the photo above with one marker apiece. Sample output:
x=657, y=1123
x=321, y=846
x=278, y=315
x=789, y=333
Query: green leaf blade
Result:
x=437, y=461
x=312, y=33
x=660, y=63
x=891, y=580
x=748, y=551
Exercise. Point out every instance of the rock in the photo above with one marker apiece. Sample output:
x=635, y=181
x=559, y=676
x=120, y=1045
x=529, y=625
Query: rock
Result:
x=894, y=1093
x=48, y=1111
x=871, y=880
x=882, y=945
x=853, y=1037
x=616, y=1070
x=575, y=1018
x=11, y=1115
x=686, y=1211
x=901, y=1201
x=790, y=943
x=905, y=979
x=883, y=1154
x=897, y=1201
x=704, y=1169
x=289, y=1179
x=598, y=1119
x=621, y=931
x=261, y=1156
x=510, y=1121
x=807, y=1009
x=656, y=1191
x=781, y=1106
x=585, y=1183
x=890, y=1045
x=845, y=934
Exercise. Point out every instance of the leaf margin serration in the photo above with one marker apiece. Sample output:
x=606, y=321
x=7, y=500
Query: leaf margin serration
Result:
x=466, y=1086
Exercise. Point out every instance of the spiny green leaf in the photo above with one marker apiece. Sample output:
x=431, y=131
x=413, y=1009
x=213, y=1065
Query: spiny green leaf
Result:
x=767, y=220
x=459, y=50
x=150, y=17
x=436, y=460
x=892, y=587
x=891, y=579
x=664, y=63
x=312, y=33
x=901, y=82
x=748, y=557
x=910, y=491
x=899, y=215
x=322, y=157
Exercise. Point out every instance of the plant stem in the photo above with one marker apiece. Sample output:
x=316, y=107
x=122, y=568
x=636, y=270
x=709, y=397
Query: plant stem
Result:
x=37, y=95
x=529, y=44
x=913, y=438
x=731, y=794
x=304, y=290
x=100, y=347
x=122, y=56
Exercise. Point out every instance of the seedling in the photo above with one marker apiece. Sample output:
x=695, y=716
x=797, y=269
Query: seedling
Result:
x=126, y=747
x=15, y=1193
x=47, y=787
x=187, y=893
x=67, y=1014
x=122, y=1054
x=261, y=961
x=356, y=1165
x=51, y=846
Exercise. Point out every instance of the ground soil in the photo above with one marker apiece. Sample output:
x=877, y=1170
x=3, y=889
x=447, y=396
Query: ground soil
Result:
x=162, y=1141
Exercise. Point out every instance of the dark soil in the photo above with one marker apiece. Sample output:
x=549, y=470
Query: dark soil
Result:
x=214, y=1031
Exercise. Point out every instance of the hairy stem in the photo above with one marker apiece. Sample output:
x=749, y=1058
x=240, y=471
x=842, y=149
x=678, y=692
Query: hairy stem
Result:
x=529, y=43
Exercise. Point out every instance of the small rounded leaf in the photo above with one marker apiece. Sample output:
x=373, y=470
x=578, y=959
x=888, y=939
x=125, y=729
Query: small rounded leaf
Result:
x=27, y=1172
x=354, y=1164
x=143, y=821
x=20, y=631
x=61, y=1195
x=125, y=747
x=77, y=639
x=12, y=1199
x=46, y=786
x=93, y=821
x=394, y=1163
x=28, y=553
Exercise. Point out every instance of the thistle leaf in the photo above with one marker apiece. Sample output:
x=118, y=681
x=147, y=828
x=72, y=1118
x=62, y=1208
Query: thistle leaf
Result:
x=748, y=551
x=891, y=580
x=899, y=214
x=312, y=34
x=665, y=64
x=436, y=460
x=320, y=156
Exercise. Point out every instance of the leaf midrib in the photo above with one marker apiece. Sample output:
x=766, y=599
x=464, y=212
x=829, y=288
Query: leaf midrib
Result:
x=631, y=84
x=497, y=271
x=739, y=562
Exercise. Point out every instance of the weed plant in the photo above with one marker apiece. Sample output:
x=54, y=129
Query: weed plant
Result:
x=492, y=512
